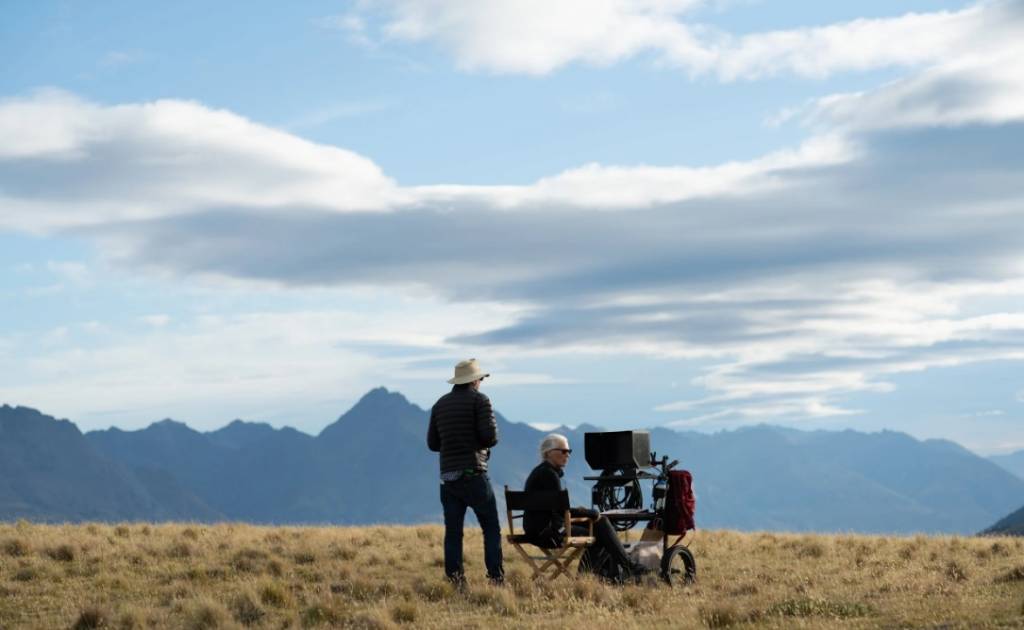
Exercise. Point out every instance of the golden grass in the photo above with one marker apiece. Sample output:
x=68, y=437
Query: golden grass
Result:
x=236, y=576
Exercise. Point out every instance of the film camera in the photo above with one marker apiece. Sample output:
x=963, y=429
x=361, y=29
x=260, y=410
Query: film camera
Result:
x=624, y=458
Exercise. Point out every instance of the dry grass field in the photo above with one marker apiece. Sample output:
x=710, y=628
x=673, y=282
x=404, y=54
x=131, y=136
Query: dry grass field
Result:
x=233, y=575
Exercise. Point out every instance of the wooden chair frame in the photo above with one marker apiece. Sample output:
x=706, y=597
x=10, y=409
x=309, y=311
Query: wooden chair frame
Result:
x=555, y=561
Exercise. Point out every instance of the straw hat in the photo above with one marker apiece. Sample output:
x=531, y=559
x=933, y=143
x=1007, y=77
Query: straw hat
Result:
x=466, y=372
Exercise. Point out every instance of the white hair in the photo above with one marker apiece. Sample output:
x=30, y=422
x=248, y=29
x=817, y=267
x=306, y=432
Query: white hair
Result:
x=552, y=441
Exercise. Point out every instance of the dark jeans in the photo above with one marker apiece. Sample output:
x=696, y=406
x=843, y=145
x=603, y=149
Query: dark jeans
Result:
x=605, y=538
x=474, y=492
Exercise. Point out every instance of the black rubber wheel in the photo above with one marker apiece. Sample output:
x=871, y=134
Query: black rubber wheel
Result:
x=678, y=566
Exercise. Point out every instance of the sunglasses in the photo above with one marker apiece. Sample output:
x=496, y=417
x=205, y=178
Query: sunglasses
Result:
x=564, y=451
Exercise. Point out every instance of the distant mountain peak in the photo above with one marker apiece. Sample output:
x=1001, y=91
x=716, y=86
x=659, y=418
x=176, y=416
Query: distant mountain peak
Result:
x=30, y=417
x=379, y=405
x=240, y=425
x=25, y=411
x=169, y=422
x=240, y=434
x=381, y=398
x=168, y=425
x=381, y=393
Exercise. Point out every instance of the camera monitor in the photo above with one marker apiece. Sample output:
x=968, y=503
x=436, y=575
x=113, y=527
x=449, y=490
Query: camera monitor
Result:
x=617, y=449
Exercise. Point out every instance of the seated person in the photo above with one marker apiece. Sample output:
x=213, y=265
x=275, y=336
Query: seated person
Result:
x=545, y=529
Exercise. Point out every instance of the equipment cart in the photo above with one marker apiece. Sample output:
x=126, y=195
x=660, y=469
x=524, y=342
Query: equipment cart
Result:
x=625, y=461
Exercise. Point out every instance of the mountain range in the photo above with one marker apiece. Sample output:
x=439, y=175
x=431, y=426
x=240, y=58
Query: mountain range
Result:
x=372, y=466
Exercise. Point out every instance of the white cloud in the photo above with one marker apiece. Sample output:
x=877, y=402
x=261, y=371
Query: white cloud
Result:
x=982, y=88
x=597, y=186
x=55, y=336
x=212, y=368
x=801, y=282
x=784, y=409
x=988, y=413
x=887, y=243
x=168, y=157
x=93, y=327
x=75, y=273
x=534, y=37
x=509, y=379
x=173, y=158
x=863, y=44
x=45, y=290
x=352, y=25
x=118, y=58
x=157, y=321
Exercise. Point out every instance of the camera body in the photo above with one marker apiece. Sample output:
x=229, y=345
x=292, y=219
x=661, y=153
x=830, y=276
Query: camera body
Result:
x=622, y=450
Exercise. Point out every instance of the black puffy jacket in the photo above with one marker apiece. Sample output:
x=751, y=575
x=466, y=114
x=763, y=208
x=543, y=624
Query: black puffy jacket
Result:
x=462, y=429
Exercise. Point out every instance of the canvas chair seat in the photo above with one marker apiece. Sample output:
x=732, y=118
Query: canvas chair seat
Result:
x=555, y=561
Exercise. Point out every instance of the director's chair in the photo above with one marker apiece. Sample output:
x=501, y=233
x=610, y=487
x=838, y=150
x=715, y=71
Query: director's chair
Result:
x=555, y=561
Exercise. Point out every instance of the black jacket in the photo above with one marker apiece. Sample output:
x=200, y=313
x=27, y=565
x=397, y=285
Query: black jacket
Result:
x=462, y=429
x=544, y=527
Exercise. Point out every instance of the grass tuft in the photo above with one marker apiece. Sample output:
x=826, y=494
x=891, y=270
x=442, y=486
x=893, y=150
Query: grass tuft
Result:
x=16, y=547
x=405, y=612
x=205, y=614
x=370, y=620
x=245, y=610
x=720, y=616
x=322, y=614
x=248, y=560
x=273, y=594
x=1015, y=574
x=435, y=590
x=179, y=550
x=26, y=574
x=955, y=571
x=61, y=553
x=92, y=618
x=130, y=620
x=811, y=549
x=813, y=607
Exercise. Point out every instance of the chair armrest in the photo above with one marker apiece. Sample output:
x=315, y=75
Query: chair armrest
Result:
x=569, y=520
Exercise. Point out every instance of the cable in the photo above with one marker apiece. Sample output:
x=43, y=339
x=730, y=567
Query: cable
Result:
x=619, y=494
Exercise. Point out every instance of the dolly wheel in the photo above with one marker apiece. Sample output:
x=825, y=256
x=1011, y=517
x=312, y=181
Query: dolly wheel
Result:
x=678, y=566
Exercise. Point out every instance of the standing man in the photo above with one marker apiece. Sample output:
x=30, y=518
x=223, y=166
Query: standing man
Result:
x=463, y=430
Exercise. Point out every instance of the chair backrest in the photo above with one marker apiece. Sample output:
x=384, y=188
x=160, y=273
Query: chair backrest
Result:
x=549, y=501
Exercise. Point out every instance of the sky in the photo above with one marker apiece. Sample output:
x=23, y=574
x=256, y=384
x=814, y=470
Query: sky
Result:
x=698, y=214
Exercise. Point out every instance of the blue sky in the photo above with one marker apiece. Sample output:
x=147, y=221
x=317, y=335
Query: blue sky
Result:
x=695, y=213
